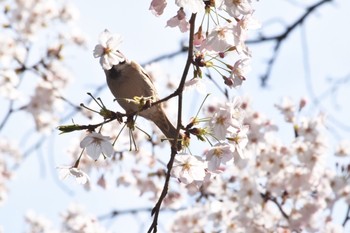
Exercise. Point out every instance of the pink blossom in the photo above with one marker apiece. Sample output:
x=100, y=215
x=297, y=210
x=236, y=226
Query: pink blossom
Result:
x=239, y=71
x=179, y=20
x=157, y=7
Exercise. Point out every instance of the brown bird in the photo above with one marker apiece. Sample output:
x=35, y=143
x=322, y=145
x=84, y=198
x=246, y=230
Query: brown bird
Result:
x=127, y=80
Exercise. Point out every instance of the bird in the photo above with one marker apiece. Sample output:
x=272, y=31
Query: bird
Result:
x=127, y=80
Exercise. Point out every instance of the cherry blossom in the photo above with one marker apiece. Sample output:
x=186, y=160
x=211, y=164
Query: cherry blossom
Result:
x=248, y=180
x=239, y=72
x=237, y=8
x=238, y=138
x=221, y=38
x=80, y=176
x=76, y=219
x=287, y=108
x=96, y=144
x=180, y=21
x=58, y=75
x=69, y=13
x=38, y=223
x=198, y=38
x=8, y=83
x=188, y=168
x=193, y=6
x=190, y=220
x=248, y=22
x=108, y=50
x=10, y=51
x=224, y=115
x=343, y=148
x=42, y=106
x=10, y=155
x=220, y=153
x=157, y=7
x=310, y=127
x=197, y=84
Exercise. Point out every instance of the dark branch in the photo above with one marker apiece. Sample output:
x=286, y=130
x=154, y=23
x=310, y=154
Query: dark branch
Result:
x=116, y=213
x=156, y=209
x=347, y=217
x=167, y=56
x=278, y=39
x=268, y=197
x=8, y=114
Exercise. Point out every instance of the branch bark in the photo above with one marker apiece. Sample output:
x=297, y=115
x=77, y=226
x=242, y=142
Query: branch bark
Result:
x=178, y=92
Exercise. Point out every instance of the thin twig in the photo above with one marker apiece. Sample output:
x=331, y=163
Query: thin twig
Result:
x=115, y=213
x=347, y=217
x=8, y=114
x=289, y=29
x=267, y=197
x=278, y=39
x=284, y=214
x=167, y=56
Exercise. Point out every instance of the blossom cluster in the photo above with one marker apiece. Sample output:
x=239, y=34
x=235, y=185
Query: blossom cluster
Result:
x=9, y=152
x=267, y=186
x=247, y=179
x=216, y=39
x=281, y=187
x=74, y=219
x=25, y=24
x=33, y=75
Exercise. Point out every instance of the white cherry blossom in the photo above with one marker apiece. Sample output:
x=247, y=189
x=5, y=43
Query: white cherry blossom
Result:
x=221, y=38
x=197, y=84
x=80, y=176
x=220, y=153
x=96, y=144
x=239, y=71
x=8, y=84
x=193, y=6
x=238, y=138
x=287, y=108
x=188, y=168
x=108, y=50
x=236, y=8
x=343, y=148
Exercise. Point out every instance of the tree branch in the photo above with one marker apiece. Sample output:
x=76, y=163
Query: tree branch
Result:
x=347, y=217
x=267, y=197
x=278, y=39
x=8, y=114
x=178, y=92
